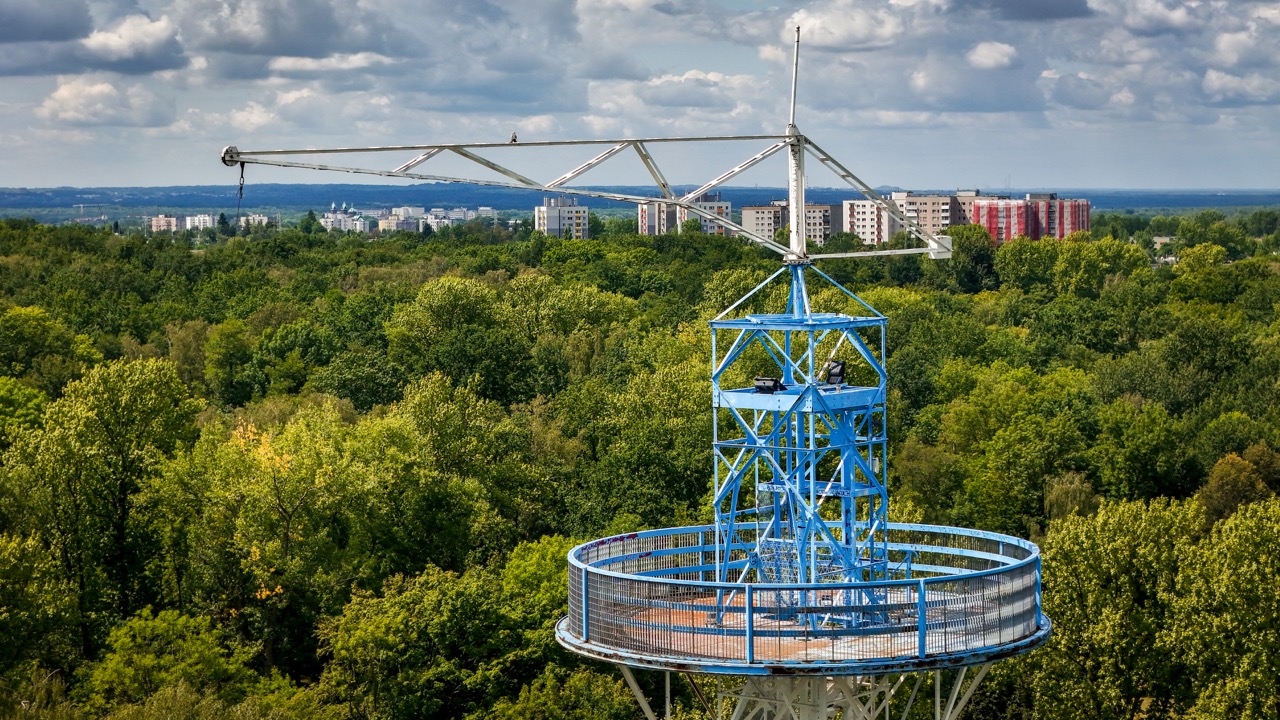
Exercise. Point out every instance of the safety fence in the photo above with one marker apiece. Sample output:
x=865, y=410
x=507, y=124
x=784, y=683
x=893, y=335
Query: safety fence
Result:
x=950, y=591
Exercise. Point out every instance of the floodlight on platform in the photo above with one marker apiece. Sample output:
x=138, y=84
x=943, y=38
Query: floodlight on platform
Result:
x=835, y=372
x=768, y=385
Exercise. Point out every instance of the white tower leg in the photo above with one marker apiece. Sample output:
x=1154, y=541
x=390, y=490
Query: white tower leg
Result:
x=868, y=697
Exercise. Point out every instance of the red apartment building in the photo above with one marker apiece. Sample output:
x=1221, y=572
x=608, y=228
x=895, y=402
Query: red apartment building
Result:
x=1040, y=215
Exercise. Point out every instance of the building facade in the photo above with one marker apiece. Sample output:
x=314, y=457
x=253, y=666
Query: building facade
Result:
x=200, y=222
x=870, y=222
x=934, y=213
x=166, y=223
x=819, y=220
x=1039, y=215
x=659, y=218
x=656, y=218
x=561, y=217
x=344, y=221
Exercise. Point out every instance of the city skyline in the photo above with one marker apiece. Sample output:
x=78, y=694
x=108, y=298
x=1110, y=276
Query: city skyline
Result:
x=912, y=93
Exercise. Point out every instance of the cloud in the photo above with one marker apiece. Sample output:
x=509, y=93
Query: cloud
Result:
x=133, y=45
x=43, y=20
x=608, y=64
x=844, y=25
x=333, y=63
x=1153, y=17
x=992, y=56
x=137, y=44
x=251, y=117
x=301, y=28
x=947, y=85
x=1251, y=88
x=91, y=101
x=1080, y=91
x=692, y=89
x=1027, y=9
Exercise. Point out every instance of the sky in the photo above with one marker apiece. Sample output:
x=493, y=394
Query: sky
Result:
x=912, y=93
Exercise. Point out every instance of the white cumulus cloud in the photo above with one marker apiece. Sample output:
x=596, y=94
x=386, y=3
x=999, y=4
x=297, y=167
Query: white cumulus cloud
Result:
x=1253, y=87
x=845, y=25
x=90, y=100
x=992, y=55
x=133, y=36
x=339, y=62
x=251, y=117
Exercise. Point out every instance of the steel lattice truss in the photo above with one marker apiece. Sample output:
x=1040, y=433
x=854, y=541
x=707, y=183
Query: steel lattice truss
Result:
x=411, y=158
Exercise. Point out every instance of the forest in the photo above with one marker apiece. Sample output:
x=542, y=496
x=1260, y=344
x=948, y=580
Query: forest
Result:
x=299, y=474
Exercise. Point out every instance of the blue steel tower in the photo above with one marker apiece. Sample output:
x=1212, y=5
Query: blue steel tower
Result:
x=800, y=442
x=801, y=593
x=802, y=587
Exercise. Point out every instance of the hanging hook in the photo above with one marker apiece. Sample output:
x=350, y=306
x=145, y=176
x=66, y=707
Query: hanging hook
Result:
x=240, y=195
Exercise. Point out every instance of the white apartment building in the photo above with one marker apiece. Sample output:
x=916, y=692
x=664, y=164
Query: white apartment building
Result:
x=344, y=221
x=870, y=222
x=409, y=212
x=200, y=222
x=561, y=217
x=435, y=219
x=254, y=219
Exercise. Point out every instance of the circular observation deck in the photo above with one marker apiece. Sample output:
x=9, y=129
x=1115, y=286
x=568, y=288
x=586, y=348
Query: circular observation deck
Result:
x=956, y=597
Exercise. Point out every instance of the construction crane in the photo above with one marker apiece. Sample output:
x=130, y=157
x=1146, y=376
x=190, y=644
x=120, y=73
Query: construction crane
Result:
x=800, y=586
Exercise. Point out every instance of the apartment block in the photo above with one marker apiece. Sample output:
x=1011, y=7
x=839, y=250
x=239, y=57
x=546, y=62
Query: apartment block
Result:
x=870, y=222
x=1039, y=215
x=200, y=222
x=765, y=220
x=656, y=218
x=561, y=217
x=396, y=222
x=934, y=213
x=659, y=218
x=166, y=223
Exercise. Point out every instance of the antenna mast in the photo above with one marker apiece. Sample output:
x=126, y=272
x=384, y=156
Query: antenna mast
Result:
x=798, y=250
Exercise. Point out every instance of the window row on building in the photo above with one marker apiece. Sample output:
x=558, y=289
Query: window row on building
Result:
x=172, y=223
x=1038, y=215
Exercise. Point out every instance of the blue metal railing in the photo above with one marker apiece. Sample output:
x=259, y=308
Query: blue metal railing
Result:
x=650, y=598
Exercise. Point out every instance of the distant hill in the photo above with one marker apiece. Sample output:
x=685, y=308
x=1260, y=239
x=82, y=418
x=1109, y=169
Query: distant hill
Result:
x=65, y=203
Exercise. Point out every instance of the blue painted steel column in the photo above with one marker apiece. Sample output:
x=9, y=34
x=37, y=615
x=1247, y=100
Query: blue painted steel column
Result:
x=749, y=609
x=922, y=625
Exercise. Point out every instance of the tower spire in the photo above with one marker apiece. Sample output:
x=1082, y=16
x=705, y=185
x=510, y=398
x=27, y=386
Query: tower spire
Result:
x=798, y=247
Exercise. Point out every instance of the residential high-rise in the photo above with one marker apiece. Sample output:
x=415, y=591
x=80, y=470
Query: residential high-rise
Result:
x=656, y=218
x=765, y=220
x=200, y=222
x=712, y=203
x=1039, y=215
x=659, y=218
x=561, y=217
x=870, y=222
x=934, y=213
x=166, y=223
